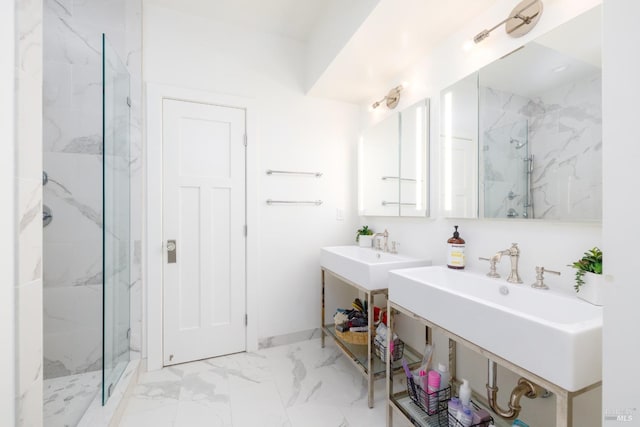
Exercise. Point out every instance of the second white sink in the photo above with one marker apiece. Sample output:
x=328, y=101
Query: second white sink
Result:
x=555, y=336
x=364, y=266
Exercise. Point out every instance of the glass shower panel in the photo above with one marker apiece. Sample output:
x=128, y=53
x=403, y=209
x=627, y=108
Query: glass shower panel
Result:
x=506, y=165
x=116, y=208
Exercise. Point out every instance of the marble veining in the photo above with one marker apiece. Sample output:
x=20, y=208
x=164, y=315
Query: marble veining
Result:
x=66, y=398
x=565, y=138
x=294, y=385
x=28, y=150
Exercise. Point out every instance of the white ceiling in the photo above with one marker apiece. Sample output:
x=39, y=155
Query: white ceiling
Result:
x=290, y=18
x=395, y=35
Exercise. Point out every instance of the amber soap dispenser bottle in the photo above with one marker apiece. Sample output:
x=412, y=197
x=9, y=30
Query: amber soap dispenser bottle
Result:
x=455, y=251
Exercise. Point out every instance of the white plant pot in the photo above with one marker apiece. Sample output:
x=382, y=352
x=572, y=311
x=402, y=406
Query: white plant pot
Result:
x=365, y=241
x=593, y=289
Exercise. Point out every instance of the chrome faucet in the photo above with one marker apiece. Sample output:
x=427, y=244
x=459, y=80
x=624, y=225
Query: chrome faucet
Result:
x=492, y=264
x=539, y=284
x=514, y=254
x=376, y=243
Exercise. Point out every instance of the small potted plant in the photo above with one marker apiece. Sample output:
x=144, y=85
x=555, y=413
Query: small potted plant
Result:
x=363, y=236
x=589, y=281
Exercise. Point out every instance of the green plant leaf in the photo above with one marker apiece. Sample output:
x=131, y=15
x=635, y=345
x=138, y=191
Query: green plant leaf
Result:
x=590, y=262
x=364, y=231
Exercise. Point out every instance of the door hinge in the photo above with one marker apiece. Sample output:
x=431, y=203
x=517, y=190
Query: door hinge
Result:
x=129, y=333
x=246, y=319
x=245, y=139
x=245, y=230
x=128, y=101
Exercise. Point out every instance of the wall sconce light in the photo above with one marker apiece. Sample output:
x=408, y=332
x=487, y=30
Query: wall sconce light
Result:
x=392, y=98
x=521, y=20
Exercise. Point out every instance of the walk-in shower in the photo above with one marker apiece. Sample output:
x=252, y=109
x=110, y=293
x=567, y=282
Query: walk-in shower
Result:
x=86, y=186
x=507, y=167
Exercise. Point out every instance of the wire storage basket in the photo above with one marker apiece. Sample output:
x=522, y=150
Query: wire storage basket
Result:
x=431, y=402
x=381, y=350
x=453, y=422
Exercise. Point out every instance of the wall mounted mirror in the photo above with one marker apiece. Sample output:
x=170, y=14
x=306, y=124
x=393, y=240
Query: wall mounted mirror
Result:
x=393, y=164
x=536, y=150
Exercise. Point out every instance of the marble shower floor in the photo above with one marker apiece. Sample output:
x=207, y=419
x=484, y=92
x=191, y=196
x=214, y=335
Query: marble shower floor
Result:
x=295, y=385
x=67, y=398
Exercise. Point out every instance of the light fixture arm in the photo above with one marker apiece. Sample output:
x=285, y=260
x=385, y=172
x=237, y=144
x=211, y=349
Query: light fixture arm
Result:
x=515, y=14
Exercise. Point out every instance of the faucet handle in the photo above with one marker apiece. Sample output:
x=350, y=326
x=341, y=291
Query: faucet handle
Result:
x=539, y=284
x=492, y=266
x=394, y=247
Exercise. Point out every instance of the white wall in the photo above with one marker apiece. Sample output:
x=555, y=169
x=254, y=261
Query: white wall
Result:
x=549, y=244
x=294, y=132
x=621, y=91
x=7, y=213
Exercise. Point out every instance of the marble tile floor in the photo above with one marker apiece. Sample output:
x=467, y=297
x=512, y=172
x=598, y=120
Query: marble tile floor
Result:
x=67, y=398
x=295, y=385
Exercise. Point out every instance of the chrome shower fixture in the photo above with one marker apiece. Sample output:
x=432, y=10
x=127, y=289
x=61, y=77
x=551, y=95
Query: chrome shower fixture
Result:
x=518, y=144
x=47, y=215
x=522, y=19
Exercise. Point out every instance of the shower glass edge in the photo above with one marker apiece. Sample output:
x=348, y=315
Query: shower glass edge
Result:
x=116, y=218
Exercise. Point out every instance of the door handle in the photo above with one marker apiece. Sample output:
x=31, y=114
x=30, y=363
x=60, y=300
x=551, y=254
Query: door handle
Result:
x=171, y=251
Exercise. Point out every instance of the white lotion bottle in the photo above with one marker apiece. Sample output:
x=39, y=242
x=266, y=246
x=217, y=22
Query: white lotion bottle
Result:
x=465, y=394
x=445, y=376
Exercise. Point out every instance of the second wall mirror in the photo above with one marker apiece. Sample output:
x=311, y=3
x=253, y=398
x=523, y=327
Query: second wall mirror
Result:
x=522, y=137
x=393, y=165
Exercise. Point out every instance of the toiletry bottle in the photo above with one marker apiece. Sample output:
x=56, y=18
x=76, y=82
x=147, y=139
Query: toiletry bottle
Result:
x=433, y=385
x=453, y=407
x=455, y=251
x=427, y=356
x=465, y=417
x=445, y=376
x=424, y=385
x=465, y=393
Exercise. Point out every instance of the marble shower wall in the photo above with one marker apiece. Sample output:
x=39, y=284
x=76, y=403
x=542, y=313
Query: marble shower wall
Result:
x=504, y=130
x=72, y=144
x=28, y=149
x=565, y=138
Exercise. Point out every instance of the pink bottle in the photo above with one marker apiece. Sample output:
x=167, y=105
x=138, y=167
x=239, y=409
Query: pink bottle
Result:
x=433, y=385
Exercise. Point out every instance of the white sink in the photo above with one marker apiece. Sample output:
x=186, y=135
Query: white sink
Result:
x=555, y=336
x=364, y=266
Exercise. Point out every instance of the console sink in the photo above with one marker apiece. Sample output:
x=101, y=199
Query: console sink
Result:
x=364, y=266
x=555, y=336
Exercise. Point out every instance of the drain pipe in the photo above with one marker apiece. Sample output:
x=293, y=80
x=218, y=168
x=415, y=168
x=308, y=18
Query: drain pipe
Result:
x=524, y=388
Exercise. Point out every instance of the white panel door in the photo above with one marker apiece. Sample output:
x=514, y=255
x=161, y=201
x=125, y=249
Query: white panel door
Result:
x=204, y=213
x=465, y=178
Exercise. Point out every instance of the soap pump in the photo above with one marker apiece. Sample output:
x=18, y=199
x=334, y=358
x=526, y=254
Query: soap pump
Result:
x=455, y=251
x=465, y=393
